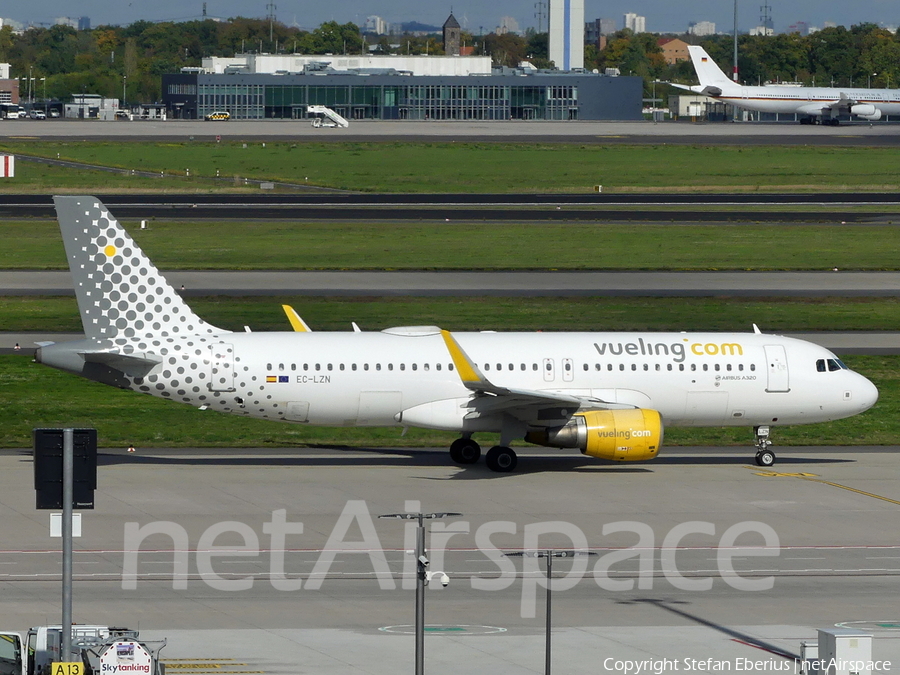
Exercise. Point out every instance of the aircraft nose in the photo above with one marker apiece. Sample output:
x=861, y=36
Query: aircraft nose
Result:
x=865, y=394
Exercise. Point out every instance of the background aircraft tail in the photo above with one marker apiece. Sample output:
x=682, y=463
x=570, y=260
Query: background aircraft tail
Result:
x=120, y=292
x=710, y=75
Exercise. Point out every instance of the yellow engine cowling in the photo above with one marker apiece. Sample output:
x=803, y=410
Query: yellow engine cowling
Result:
x=621, y=435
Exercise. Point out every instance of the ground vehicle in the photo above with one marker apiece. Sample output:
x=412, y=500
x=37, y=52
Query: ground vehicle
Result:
x=54, y=112
x=9, y=111
x=38, y=115
x=92, y=645
x=219, y=115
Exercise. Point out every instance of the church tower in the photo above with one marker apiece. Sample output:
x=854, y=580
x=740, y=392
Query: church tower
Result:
x=451, y=36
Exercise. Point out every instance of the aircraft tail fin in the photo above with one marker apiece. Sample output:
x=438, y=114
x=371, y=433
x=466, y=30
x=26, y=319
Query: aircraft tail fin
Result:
x=120, y=291
x=712, y=80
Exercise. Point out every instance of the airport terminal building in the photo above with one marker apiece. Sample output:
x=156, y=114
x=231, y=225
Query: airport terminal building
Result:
x=396, y=88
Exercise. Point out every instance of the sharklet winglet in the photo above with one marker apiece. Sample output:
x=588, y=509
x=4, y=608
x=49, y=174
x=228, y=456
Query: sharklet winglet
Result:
x=298, y=324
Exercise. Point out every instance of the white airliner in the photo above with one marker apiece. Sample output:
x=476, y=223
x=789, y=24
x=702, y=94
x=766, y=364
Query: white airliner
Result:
x=607, y=394
x=825, y=104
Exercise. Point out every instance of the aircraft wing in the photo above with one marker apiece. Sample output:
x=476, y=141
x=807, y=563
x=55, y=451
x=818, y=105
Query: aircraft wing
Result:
x=528, y=405
x=708, y=90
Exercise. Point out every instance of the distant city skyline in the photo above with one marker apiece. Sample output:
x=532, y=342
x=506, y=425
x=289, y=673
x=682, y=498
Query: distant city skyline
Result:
x=473, y=15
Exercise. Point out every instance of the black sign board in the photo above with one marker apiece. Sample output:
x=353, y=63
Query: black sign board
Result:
x=48, y=468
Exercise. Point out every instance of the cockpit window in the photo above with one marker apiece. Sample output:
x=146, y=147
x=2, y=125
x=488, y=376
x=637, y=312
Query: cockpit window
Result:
x=830, y=365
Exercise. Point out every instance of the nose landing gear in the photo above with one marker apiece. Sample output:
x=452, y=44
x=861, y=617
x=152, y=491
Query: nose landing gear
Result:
x=764, y=455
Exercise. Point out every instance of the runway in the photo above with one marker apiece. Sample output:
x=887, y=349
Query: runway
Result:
x=859, y=135
x=831, y=556
x=828, y=208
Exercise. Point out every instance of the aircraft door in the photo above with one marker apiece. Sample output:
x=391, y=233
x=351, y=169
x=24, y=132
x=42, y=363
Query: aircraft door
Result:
x=777, y=367
x=549, y=370
x=568, y=370
x=221, y=375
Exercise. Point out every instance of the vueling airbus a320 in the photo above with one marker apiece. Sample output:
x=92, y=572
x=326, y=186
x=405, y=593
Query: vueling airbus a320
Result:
x=607, y=394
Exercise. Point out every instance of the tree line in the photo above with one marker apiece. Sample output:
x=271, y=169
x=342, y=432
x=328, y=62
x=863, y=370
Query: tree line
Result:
x=64, y=61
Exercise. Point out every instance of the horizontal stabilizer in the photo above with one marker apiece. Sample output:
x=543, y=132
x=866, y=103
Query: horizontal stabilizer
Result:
x=132, y=365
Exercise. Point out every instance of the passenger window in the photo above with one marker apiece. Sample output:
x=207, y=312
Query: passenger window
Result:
x=268, y=366
x=728, y=367
x=377, y=366
x=512, y=366
x=522, y=366
x=305, y=366
x=402, y=366
x=280, y=366
x=449, y=366
x=693, y=367
x=499, y=366
x=293, y=366
x=365, y=366
x=352, y=366
x=437, y=366
x=658, y=367
x=741, y=367
x=549, y=367
x=717, y=367
x=634, y=366
x=680, y=366
x=609, y=366
x=415, y=366
x=752, y=366
x=597, y=366
x=318, y=367
x=568, y=367
x=621, y=366
x=487, y=366
x=341, y=367
x=329, y=366
x=534, y=366
x=390, y=366
x=586, y=367
x=669, y=366
x=705, y=367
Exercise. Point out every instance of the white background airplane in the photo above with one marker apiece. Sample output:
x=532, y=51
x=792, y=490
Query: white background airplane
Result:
x=607, y=394
x=825, y=104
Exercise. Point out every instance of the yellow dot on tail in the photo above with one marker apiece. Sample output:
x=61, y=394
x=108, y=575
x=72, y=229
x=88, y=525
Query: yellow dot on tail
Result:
x=110, y=251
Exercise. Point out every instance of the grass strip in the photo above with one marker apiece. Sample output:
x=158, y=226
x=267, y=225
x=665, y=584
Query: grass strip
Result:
x=392, y=166
x=32, y=395
x=60, y=314
x=282, y=245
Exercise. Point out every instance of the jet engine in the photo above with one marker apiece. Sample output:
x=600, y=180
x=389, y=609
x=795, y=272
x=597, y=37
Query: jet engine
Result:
x=622, y=435
x=867, y=111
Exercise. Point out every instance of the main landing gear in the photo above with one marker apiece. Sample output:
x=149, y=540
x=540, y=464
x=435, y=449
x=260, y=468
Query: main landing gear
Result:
x=764, y=455
x=499, y=458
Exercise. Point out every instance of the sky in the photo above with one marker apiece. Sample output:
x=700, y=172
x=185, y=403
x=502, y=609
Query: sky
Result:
x=662, y=15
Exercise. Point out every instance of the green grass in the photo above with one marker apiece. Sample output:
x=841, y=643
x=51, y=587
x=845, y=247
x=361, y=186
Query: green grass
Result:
x=283, y=245
x=55, y=314
x=32, y=396
x=500, y=167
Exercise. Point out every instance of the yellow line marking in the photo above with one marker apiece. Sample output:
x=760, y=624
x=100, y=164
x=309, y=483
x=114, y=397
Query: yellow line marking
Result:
x=811, y=477
x=194, y=666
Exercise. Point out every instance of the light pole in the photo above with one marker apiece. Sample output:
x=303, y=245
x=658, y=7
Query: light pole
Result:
x=422, y=577
x=549, y=554
x=124, y=82
x=44, y=80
